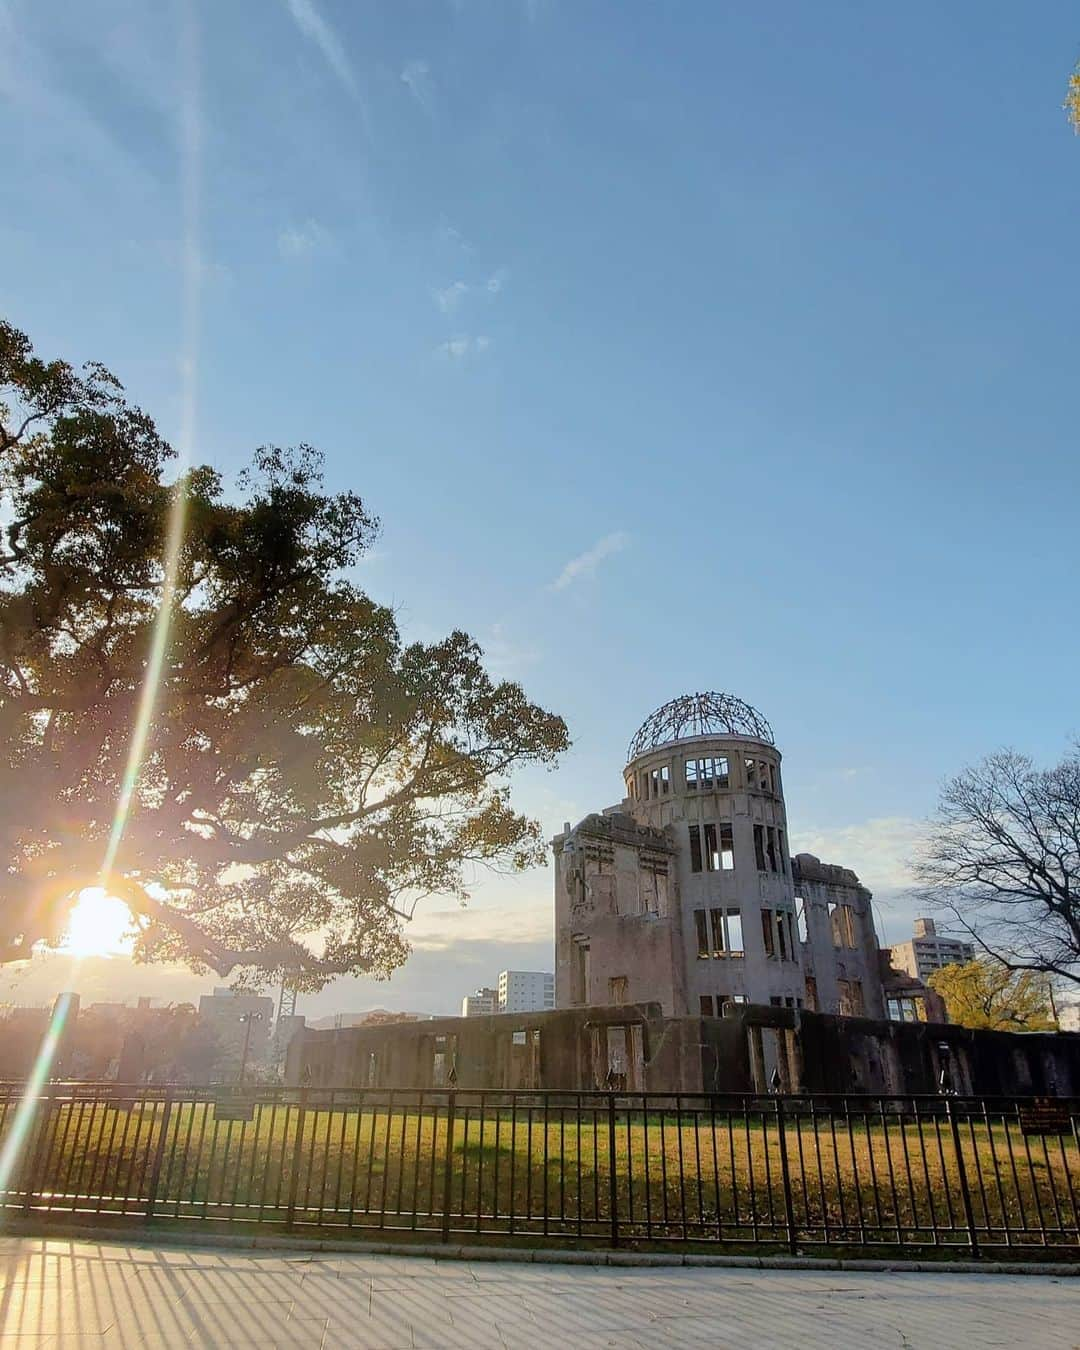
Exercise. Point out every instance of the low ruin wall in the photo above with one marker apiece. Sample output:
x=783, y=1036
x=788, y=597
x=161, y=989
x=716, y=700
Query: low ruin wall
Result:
x=634, y=1048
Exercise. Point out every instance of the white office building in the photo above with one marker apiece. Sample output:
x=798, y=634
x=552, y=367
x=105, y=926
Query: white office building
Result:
x=526, y=991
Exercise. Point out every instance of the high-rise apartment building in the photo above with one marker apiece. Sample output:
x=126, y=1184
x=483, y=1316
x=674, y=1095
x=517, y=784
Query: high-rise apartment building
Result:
x=481, y=1003
x=929, y=950
x=526, y=991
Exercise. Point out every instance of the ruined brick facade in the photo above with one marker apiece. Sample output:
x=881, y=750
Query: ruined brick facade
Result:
x=685, y=893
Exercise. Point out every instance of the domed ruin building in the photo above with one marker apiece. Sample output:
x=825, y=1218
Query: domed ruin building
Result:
x=685, y=893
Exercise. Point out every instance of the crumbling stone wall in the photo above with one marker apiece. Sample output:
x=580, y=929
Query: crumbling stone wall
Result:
x=617, y=918
x=635, y=1048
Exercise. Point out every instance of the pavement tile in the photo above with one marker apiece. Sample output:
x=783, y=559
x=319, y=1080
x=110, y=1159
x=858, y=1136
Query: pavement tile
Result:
x=115, y=1296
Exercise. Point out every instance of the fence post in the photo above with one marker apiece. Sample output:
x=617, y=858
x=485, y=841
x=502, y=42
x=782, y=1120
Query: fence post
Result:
x=789, y=1211
x=613, y=1188
x=159, y=1156
x=33, y=1155
x=448, y=1158
x=298, y=1148
x=965, y=1191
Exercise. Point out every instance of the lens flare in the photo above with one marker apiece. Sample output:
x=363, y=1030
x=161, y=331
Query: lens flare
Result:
x=159, y=645
x=190, y=138
x=26, y=1112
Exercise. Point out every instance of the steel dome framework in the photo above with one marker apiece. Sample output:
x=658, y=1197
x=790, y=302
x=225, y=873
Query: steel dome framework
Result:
x=709, y=714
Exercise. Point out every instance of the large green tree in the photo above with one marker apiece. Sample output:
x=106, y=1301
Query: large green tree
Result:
x=307, y=775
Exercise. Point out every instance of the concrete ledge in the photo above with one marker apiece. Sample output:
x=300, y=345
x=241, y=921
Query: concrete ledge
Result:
x=286, y=1242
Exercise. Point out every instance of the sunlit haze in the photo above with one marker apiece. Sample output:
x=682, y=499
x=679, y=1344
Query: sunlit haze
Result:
x=100, y=925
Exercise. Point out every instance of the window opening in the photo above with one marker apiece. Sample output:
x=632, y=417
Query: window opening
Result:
x=781, y=851
x=581, y=972
x=771, y=837
x=618, y=989
x=702, y=934
x=618, y=1060
x=842, y=922
x=691, y=775
x=851, y=998
x=727, y=847
x=717, y=918
x=712, y=853
x=665, y=779
x=759, y=847
x=445, y=1060
x=765, y=775
x=734, y=932
x=782, y=935
x=803, y=934
x=695, y=848
x=767, y=932
x=706, y=1004
x=751, y=773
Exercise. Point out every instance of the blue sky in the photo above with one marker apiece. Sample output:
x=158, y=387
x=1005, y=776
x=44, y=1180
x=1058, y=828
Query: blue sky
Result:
x=677, y=347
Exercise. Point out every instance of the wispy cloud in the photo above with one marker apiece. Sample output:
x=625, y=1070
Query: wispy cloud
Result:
x=451, y=296
x=315, y=28
x=585, y=564
x=301, y=241
x=457, y=348
x=505, y=658
x=416, y=77
x=881, y=850
x=448, y=234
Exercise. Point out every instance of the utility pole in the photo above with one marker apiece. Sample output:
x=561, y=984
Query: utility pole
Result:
x=247, y=1019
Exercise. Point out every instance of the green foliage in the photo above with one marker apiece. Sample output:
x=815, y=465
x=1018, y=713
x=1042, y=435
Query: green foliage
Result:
x=1072, y=100
x=308, y=775
x=985, y=994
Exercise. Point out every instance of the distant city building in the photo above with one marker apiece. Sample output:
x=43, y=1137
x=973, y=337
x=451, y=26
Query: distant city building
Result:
x=929, y=950
x=525, y=991
x=224, y=1010
x=1069, y=1017
x=482, y=1003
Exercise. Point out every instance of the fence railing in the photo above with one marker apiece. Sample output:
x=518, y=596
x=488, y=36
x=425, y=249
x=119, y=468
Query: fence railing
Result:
x=794, y=1173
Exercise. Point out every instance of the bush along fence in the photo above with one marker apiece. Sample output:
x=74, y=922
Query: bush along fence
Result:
x=781, y=1173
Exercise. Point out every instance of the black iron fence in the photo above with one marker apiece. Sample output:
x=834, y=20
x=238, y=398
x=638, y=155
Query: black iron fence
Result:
x=794, y=1173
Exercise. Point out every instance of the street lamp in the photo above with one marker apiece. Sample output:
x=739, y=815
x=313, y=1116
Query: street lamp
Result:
x=247, y=1019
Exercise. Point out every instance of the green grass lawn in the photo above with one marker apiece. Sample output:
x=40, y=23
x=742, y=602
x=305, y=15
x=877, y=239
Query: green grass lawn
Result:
x=695, y=1178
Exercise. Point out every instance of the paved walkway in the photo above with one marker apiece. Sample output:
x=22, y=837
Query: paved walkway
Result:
x=64, y=1293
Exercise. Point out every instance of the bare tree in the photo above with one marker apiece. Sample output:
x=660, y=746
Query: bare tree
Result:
x=1003, y=859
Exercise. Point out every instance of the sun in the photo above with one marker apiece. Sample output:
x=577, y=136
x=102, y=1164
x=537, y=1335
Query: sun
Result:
x=100, y=925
